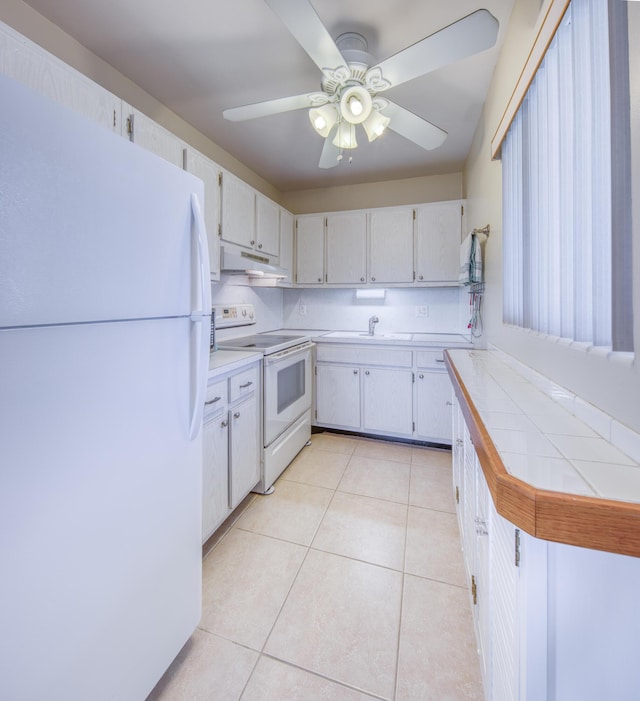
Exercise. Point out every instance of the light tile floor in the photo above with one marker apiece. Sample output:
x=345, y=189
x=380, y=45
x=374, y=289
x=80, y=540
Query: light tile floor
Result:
x=346, y=584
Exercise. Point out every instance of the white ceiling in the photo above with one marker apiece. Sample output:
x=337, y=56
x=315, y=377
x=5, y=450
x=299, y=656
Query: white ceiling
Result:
x=199, y=57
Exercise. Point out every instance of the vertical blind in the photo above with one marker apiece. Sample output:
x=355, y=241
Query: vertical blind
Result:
x=557, y=187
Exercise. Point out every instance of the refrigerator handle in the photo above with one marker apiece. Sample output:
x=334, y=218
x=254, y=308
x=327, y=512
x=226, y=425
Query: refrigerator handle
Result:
x=199, y=317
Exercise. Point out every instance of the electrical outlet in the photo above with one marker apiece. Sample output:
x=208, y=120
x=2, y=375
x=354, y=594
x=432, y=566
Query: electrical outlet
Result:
x=302, y=309
x=422, y=310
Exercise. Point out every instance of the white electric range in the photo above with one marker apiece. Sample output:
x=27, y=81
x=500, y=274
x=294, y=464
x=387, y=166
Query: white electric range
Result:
x=286, y=392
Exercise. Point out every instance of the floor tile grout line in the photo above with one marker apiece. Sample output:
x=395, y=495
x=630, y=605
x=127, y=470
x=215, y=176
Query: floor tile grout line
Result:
x=342, y=684
x=396, y=679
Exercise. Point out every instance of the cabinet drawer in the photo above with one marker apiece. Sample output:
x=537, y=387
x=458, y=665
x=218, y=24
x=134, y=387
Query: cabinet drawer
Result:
x=430, y=359
x=243, y=384
x=357, y=355
x=216, y=397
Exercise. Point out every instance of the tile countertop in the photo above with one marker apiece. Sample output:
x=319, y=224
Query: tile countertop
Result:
x=539, y=442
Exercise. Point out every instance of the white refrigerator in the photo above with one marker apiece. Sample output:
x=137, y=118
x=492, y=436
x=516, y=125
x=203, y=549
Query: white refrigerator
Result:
x=104, y=342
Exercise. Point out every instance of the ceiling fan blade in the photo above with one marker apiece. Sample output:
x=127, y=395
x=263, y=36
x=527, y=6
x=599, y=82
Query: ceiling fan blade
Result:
x=330, y=152
x=307, y=29
x=414, y=128
x=470, y=35
x=281, y=104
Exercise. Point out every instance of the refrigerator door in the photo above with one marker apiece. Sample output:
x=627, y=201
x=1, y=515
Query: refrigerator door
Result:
x=100, y=508
x=92, y=227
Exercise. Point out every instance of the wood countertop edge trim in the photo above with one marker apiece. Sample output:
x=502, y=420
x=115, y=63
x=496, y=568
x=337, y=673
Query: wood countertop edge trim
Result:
x=583, y=521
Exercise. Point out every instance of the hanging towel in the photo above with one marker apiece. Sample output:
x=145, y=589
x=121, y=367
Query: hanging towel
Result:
x=470, y=260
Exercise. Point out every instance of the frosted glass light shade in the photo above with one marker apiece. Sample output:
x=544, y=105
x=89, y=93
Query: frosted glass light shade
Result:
x=355, y=104
x=323, y=119
x=345, y=136
x=375, y=125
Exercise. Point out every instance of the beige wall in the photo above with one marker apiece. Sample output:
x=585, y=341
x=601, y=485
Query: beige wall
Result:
x=609, y=381
x=431, y=188
x=41, y=31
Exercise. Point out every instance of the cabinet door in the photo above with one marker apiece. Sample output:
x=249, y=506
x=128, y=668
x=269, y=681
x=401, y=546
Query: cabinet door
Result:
x=338, y=395
x=215, y=474
x=286, y=244
x=267, y=226
x=391, y=245
x=438, y=238
x=387, y=401
x=151, y=136
x=244, y=457
x=208, y=172
x=347, y=247
x=433, y=406
x=310, y=250
x=30, y=64
x=238, y=211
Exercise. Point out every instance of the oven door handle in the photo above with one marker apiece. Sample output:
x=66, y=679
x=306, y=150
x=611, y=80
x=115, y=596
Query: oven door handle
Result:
x=282, y=355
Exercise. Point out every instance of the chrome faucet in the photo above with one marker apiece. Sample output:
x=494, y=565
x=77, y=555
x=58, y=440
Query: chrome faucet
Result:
x=372, y=324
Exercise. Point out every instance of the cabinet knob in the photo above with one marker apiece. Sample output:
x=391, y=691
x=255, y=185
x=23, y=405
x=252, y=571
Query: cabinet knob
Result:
x=259, y=245
x=236, y=414
x=373, y=279
x=361, y=279
x=449, y=403
x=421, y=376
x=366, y=372
x=355, y=372
x=420, y=277
x=224, y=424
x=252, y=242
x=319, y=279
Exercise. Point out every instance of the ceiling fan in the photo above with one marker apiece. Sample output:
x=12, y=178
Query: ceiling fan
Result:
x=352, y=81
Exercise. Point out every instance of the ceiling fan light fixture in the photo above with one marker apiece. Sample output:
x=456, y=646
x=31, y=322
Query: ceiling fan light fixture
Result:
x=375, y=125
x=356, y=104
x=323, y=119
x=345, y=136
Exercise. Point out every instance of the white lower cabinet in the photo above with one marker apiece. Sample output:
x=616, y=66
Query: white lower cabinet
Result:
x=338, y=395
x=231, y=443
x=552, y=621
x=354, y=393
x=387, y=405
x=395, y=392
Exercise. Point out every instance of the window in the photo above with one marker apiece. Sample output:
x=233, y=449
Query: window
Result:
x=566, y=183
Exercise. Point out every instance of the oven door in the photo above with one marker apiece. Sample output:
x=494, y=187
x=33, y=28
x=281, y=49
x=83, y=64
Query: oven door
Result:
x=287, y=389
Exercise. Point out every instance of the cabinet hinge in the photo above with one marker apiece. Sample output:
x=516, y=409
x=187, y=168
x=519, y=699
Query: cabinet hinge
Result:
x=474, y=590
x=457, y=495
x=220, y=230
x=517, y=548
x=130, y=127
x=219, y=179
x=462, y=210
x=414, y=215
x=316, y=412
x=114, y=118
x=315, y=370
x=413, y=426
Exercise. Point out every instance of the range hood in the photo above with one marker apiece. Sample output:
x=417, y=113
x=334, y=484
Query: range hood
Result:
x=234, y=261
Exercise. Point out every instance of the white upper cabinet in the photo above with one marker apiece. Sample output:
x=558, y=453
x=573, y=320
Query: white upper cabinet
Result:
x=249, y=219
x=143, y=131
x=208, y=171
x=346, y=247
x=402, y=246
x=238, y=212
x=30, y=64
x=310, y=249
x=286, y=244
x=267, y=226
x=391, y=245
x=439, y=228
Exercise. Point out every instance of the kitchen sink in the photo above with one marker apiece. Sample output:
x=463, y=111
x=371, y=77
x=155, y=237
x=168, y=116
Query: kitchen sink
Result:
x=360, y=335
